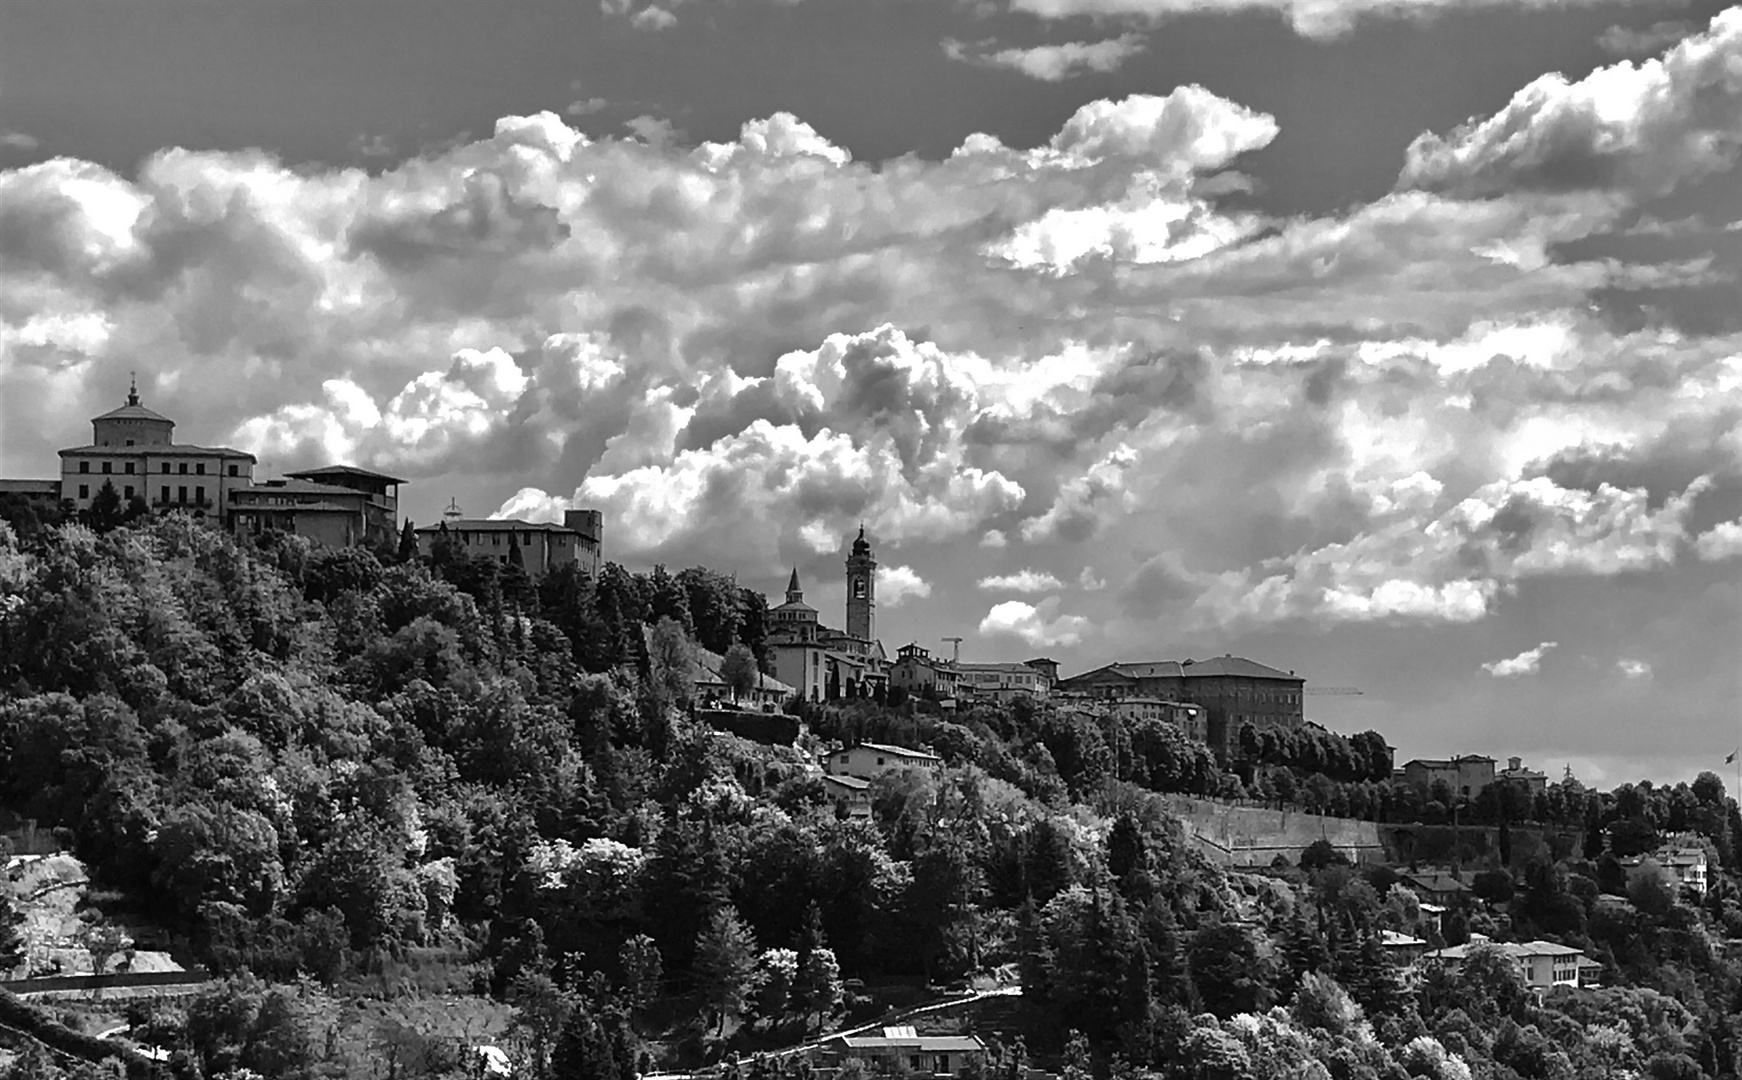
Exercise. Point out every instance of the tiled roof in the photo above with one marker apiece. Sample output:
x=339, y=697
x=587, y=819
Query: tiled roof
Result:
x=158, y=450
x=319, y=506
x=301, y=487
x=853, y=782
x=1436, y=882
x=1022, y=668
x=494, y=525
x=1214, y=667
x=1391, y=939
x=898, y=751
x=935, y=1044
x=133, y=412
x=346, y=470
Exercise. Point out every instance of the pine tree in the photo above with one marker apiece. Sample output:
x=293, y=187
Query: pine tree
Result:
x=408, y=543
x=817, y=988
x=583, y=1051
x=105, y=510
x=725, y=961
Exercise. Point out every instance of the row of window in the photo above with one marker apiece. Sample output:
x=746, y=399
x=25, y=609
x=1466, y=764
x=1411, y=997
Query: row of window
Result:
x=163, y=493
x=497, y=539
x=127, y=468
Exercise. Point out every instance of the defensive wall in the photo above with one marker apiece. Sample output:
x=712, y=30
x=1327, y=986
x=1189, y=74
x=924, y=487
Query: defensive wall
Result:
x=1237, y=834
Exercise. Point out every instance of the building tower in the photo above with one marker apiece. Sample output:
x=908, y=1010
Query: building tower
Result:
x=862, y=590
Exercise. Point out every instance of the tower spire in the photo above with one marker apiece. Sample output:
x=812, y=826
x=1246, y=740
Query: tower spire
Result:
x=794, y=594
x=133, y=388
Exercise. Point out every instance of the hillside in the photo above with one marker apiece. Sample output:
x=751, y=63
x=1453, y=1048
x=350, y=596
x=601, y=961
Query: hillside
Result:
x=412, y=813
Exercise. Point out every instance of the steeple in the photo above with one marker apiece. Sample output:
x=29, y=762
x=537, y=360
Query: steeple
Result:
x=133, y=388
x=794, y=594
x=861, y=589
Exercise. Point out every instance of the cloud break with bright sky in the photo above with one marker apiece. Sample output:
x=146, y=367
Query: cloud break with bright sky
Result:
x=1395, y=343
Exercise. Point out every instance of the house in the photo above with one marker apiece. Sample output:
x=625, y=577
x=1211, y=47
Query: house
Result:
x=902, y=1051
x=1681, y=860
x=336, y=505
x=1403, y=949
x=1433, y=916
x=769, y=694
x=1533, y=782
x=1466, y=775
x=871, y=760
x=1191, y=720
x=917, y=672
x=41, y=492
x=1544, y=964
x=1001, y=682
x=133, y=449
x=851, y=793
x=1436, y=887
x=1232, y=690
x=543, y=546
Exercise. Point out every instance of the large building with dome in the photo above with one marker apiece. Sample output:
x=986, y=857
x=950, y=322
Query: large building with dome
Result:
x=134, y=449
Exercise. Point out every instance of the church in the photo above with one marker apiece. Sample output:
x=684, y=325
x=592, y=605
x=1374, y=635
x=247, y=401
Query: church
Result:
x=822, y=663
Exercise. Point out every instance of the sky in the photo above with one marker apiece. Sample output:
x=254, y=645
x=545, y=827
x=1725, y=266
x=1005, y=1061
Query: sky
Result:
x=1393, y=342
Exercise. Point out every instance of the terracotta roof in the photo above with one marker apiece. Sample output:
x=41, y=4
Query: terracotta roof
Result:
x=853, y=782
x=898, y=751
x=133, y=412
x=1214, y=667
x=158, y=450
x=492, y=525
x=346, y=470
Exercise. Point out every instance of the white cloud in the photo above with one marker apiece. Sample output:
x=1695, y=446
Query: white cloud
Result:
x=18, y=140
x=1722, y=541
x=1052, y=63
x=1088, y=582
x=1085, y=503
x=1039, y=625
x=1527, y=662
x=1025, y=581
x=994, y=538
x=1640, y=129
x=1309, y=18
x=896, y=584
x=1633, y=669
x=653, y=17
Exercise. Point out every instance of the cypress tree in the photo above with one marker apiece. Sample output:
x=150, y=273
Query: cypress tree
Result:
x=408, y=543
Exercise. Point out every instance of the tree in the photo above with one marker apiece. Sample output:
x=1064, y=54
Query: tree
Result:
x=816, y=990
x=739, y=670
x=12, y=943
x=408, y=543
x=1230, y=973
x=725, y=961
x=642, y=971
x=105, y=511
x=672, y=658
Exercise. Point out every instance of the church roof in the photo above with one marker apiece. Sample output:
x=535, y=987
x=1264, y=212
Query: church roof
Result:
x=133, y=412
x=793, y=605
x=345, y=470
x=792, y=585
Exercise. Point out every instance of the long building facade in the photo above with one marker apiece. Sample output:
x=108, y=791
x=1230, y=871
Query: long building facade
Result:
x=1232, y=690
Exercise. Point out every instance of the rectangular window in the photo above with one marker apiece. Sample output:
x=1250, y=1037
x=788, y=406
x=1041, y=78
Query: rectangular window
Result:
x=182, y=469
x=84, y=491
x=199, y=494
x=495, y=539
x=84, y=466
x=107, y=467
x=127, y=492
x=234, y=471
x=128, y=468
x=166, y=467
x=129, y=442
x=163, y=495
x=200, y=468
x=181, y=494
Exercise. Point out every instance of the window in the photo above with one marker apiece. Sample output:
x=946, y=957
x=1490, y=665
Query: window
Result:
x=182, y=468
x=127, y=492
x=129, y=442
x=163, y=493
x=166, y=466
x=181, y=493
x=127, y=468
x=200, y=468
x=879, y=761
x=107, y=467
x=84, y=491
x=234, y=471
x=84, y=466
x=199, y=494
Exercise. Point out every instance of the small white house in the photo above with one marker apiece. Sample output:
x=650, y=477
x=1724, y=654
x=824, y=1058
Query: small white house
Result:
x=871, y=760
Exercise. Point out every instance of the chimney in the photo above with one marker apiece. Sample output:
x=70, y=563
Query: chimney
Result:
x=1514, y=764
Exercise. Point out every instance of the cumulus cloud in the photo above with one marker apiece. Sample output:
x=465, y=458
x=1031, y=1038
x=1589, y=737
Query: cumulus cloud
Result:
x=1722, y=541
x=1025, y=580
x=1088, y=582
x=1085, y=503
x=1039, y=625
x=1636, y=129
x=18, y=140
x=1633, y=669
x=897, y=584
x=1051, y=63
x=1309, y=18
x=1527, y=662
x=1631, y=41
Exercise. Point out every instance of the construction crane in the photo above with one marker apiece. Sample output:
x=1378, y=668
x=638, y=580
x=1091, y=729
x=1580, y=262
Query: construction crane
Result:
x=956, y=655
x=1337, y=691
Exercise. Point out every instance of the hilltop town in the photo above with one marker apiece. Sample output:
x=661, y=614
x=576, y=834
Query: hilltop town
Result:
x=294, y=788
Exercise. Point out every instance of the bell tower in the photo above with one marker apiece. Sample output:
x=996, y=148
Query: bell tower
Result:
x=862, y=590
